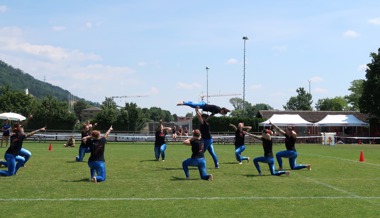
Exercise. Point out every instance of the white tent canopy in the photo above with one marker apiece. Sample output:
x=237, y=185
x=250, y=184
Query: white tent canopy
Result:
x=341, y=120
x=286, y=120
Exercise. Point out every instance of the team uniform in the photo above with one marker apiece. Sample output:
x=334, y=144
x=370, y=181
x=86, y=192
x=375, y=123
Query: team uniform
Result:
x=208, y=142
x=290, y=153
x=96, y=162
x=197, y=159
x=205, y=107
x=83, y=148
x=13, y=160
x=239, y=145
x=267, y=158
x=160, y=145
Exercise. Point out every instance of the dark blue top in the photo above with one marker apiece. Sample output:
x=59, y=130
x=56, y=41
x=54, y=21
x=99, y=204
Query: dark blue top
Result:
x=6, y=128
x=97, y=147
x=197, y=147
x=16, y=144
x=290, y=142
x=268, y=147
x=160, y=138
x=205, y=130
x=239, y=138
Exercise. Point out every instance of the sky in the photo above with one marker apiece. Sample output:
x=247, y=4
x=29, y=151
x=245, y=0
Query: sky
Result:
x=155, y=52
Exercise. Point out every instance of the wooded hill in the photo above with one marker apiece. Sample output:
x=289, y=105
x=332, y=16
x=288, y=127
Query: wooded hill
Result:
x=18, y=80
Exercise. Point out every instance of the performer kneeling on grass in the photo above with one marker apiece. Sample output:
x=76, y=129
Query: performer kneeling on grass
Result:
x=268, y=154
x=214, y=109
x=290, y=152
x=240, y=132
x=96, y=162
x=197, y=158
x=13, y=158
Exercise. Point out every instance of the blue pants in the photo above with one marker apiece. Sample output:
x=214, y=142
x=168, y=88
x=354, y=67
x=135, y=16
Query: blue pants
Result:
x=292, y=155
x=270, y=162
x=160, y=150
x=210, y=148
x=13, y=162
x=98, y=168
x=238, y=152
x=192, y=104
x=82, y=151
x=26, y=154
x=197, y=162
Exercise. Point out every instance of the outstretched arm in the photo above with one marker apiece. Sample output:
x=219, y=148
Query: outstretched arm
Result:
x=199, y=115
x=187, y=142
x=108, y=132
x=233, y=126
x=277, y=128
x=35, y=131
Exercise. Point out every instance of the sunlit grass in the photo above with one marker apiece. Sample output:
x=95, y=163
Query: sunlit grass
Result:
x=54, y=185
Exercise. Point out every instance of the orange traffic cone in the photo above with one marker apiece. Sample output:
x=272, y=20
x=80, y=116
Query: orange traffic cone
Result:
x=50, y=147
x=361, y=158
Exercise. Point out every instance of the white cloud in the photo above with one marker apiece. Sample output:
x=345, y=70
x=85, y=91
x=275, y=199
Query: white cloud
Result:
x=320, y=90
x=3, y=8
x=154, y=91
x=315, y=79
x=363, y=67
x=351, y=34
x=58, y=28
x=11, y=39
x=88, y=24
x=188, y=86
x=142, y=64
x=232, y=61
x=375, y=21
x=280, y=48
x=255, y=87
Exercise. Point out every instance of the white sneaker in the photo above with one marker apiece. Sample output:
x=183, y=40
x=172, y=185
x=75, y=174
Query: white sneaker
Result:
x=94, y=180
x=308, y=166
x=240, y=163
x=211, y=178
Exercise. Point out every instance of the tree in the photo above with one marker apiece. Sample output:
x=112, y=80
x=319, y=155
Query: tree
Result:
x=17, y=102
x=136, y=118
x=369, y=102
x=302, y=101
x=54, y=114
x=239, y=105
x=261, y=106
x=79, y=106
x=332, y=104
x=356, y=89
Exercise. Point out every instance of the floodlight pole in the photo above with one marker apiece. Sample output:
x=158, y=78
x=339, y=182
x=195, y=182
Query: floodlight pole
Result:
x=207, y=68
x=245, y=38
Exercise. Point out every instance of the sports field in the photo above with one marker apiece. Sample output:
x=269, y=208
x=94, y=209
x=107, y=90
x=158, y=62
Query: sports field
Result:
x=54, y=185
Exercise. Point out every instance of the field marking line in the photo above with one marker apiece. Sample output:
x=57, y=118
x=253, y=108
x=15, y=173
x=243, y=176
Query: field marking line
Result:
x=333, y=187
x=193, y=198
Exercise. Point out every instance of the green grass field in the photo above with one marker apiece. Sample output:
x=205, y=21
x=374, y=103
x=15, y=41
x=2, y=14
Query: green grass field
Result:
x=54, y=185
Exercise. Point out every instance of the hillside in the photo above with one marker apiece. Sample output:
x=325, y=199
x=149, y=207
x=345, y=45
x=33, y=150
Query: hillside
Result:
x=18, y=80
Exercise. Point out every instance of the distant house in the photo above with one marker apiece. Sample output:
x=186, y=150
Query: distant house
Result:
x=89, y=113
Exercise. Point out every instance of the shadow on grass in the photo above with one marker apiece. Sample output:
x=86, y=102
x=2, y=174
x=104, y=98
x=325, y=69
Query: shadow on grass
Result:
x=79, y=180
x=255, y=175
x=175, y=178
x=152, y=160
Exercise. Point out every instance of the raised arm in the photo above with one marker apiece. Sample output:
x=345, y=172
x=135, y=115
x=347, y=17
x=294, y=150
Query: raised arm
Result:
x=35, y=131
x=277, y=128
x=108, y=132
x=233, y=126
x=199, y=115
